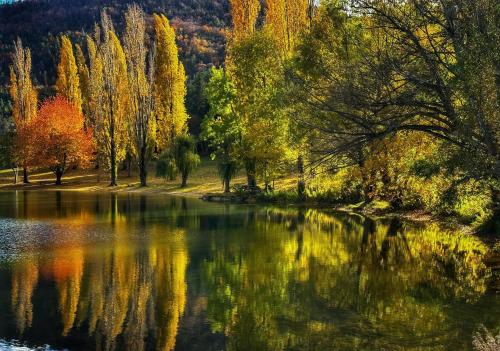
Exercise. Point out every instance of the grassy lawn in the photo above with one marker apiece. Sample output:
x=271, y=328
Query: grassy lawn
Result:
x=204, y=179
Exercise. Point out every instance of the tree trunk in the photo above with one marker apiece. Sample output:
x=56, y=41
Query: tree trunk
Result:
x=16, y=174
x=59, y=174
x=184, y=177
x=301, y=184
x=26, y=179
x=227, y=181
x=250, y=168
x=143, y=171
x=113, y=164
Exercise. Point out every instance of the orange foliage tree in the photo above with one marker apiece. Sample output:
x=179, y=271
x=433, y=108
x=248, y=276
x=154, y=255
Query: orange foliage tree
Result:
x=58, y=138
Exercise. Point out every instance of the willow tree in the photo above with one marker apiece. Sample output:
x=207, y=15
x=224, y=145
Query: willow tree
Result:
x=24, y=97
x=142, y=123
x=109, y=95
x=68, y=80
x=170, y=85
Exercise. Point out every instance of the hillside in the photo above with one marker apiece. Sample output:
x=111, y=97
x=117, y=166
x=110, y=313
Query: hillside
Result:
x=199, y=25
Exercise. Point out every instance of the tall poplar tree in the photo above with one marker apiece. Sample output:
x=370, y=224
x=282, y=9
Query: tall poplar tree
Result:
x=24, y=97
x=244, y=14
x=68, y=81
x=84, y=76
x=109, y=95
x=142, y=123
x=170, y=85
x=287, y=18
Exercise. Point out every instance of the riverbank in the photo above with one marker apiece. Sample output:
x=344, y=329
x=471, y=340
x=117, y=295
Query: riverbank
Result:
x=203, y=180
x=205, y=183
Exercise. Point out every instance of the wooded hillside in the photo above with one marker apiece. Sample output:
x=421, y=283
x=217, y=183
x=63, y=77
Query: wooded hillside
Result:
x=199, y=26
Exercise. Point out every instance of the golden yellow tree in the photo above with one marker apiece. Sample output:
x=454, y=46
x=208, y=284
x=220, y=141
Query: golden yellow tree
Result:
x=244, y=14
x=109, y=95
x=68, y=81
x=287, y=18
x=84, y=76
x=142, y=123
x=170, y=85
x=23, y=93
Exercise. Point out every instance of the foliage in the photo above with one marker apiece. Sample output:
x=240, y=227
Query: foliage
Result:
x=256, y=70
x=185, y=156
x=141, y=78
x=221, y=127
x=109, y=95
x=166, y=167
x=170, y=85
x=68, y=80
x=58, y=139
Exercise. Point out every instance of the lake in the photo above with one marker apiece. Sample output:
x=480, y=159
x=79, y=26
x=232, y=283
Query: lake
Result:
x=133, y=272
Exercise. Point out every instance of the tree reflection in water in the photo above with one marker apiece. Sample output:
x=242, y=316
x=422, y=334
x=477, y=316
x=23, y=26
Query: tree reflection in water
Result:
x=112, y=272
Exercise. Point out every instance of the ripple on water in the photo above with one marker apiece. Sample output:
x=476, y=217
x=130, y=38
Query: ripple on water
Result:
x=15, y=346
x=23, y=237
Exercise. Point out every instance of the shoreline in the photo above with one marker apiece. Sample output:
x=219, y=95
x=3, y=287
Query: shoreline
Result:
x=193, y=192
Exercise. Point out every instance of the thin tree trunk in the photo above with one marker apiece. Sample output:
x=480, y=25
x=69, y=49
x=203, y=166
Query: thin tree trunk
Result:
x=16, y=174
x=301, y=184
x=26, y=179
x=143, y=171
x=113, y=163
x=227, y=188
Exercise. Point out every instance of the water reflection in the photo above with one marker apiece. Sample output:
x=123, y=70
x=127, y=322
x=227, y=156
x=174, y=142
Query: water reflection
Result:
x=125, y=272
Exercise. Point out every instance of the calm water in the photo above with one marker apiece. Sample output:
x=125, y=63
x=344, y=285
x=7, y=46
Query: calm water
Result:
x=129, y=272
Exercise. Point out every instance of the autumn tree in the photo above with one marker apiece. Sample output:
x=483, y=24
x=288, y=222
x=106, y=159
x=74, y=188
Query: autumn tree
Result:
x=141, y=77
x=109, y=95
x=287, y=18
x=59, y=139
x=25, y=99
x=244, y=14
x=170, y=85
x=84, y=77
x=68, y=80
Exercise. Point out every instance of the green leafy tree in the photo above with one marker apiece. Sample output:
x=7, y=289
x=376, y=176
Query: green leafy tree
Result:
x=257, y=71
x=221, y=127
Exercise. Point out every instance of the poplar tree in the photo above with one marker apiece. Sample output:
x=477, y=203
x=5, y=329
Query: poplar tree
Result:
x=68, y=81
x=84, y=76
x=170, y=85
x=287, y=18
x=142, y=123
x=109, y=95
x=24, y=97
x=244, y=14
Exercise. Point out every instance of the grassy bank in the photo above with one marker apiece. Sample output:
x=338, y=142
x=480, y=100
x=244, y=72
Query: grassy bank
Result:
x=204, y=179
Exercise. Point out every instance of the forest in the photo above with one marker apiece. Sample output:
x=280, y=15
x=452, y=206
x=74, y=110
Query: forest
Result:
x=370, y=103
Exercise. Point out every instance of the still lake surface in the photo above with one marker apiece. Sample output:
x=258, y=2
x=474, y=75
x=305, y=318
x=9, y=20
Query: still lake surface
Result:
x=133, y=272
